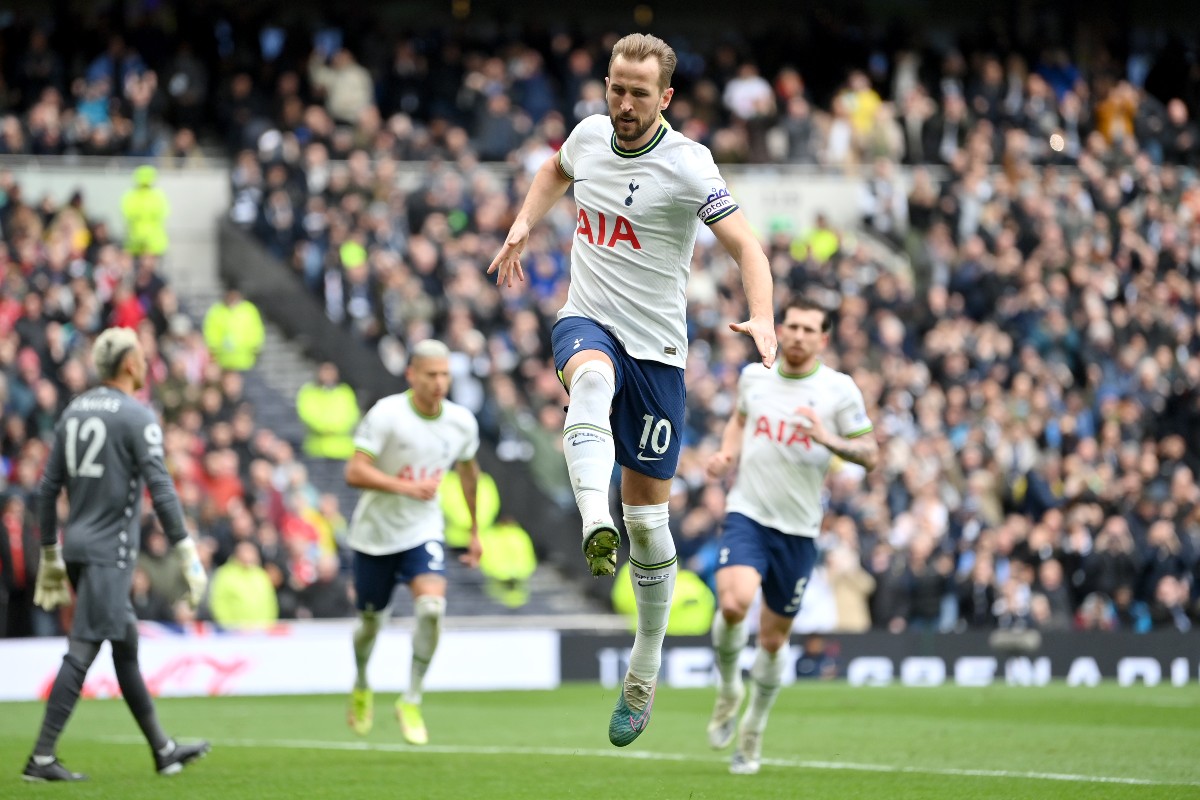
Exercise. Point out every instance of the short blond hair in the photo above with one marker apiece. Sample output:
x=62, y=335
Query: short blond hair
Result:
x=637, y=47
x=110, y=349
x=428, y=348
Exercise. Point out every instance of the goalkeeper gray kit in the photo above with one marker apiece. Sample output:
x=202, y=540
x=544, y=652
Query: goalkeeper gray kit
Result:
x=107, y=447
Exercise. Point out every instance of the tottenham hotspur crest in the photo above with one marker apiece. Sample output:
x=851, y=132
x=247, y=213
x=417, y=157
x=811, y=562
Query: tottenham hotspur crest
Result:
x=633, y=187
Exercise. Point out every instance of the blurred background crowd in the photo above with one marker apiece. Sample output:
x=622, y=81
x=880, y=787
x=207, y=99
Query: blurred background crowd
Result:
x=1018, y=298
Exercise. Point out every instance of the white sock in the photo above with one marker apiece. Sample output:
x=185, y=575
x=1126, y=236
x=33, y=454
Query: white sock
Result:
x=429, y=610
x=728, y=642
x=767, y=675
x=588, y=440
x=364, y=643
x=652, y=569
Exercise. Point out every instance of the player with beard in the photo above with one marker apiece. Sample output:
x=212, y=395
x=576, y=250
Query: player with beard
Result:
x=620, y=343
x=788, y=425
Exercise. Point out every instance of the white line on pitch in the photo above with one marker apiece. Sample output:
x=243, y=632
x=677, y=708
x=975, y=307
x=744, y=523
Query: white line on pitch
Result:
x=647, y=755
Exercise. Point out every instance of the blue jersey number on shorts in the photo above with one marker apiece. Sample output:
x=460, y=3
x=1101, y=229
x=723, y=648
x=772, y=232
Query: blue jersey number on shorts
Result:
x=797, y=596
x=437, y=555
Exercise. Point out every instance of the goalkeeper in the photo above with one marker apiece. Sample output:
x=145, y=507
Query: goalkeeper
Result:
x=107, y=448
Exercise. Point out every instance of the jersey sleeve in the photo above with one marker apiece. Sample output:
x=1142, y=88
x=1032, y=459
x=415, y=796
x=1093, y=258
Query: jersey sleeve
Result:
x=702, y=189
x=471, y=446
x=146, y=442
x=742, y=385
x=371, y=434
x=852, y=419
x=572, y=148
x=50, y=485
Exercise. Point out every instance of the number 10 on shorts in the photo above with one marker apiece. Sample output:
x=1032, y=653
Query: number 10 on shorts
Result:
x=656, y=434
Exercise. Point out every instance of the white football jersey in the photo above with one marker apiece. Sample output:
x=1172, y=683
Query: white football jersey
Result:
x=781, y=471
x=405, y=443
x=637, y=217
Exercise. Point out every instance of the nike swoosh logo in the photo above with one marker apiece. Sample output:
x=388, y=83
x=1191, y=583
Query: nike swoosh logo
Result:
x=650, y=583
x=641, y=457
x=580, y=180
x=638, y=723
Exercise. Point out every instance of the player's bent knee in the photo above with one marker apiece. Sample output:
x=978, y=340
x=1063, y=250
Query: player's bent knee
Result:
x=641, y=522
x=369, y=622
x=598, y=367
x=733, y=610
x=772, y=641
x=429, y=606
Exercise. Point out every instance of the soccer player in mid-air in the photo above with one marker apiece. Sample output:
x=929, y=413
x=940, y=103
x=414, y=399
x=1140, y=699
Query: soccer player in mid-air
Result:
x=788, y=425
x=403, y=447
x=620, y=342
x=108, y=447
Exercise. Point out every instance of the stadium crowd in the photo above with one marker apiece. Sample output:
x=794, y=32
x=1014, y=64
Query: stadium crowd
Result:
x=65, y=281
x=1033, y=371
x=1033, y=375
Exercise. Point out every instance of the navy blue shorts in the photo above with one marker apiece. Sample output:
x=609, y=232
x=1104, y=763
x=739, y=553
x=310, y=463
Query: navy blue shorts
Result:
x=785, y=562
x=647, y=412
x=376, y=577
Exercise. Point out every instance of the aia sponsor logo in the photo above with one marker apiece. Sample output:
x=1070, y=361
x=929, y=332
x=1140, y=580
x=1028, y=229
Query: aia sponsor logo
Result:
x=786, y=433
x=599, y=230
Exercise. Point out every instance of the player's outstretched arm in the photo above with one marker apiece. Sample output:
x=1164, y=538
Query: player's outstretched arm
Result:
x=735, y=235
x=468, y=475
x=720, y=462
x=361, y=473
x=549, y=185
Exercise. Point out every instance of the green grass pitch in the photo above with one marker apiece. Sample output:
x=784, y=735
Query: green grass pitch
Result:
x=825, y=740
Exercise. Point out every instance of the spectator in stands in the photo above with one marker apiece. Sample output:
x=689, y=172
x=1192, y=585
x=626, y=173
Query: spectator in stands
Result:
x=19, y=551
x=328, y=596
x=156, y=562
x=147, y=603
x=145, y=208
x=241, y=595
x=329, y=409
x=233, y=331
x=346, y=85
x=852, y=587
x=508, y=560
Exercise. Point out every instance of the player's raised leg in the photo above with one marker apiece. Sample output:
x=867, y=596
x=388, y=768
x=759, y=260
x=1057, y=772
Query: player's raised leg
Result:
x=374, y=582
x=170, y=757
x=590, y=454
x=44, y=765
x=361, y=715
x=736, y=588
x=790, y=564
x=429, y=608
x=766, y=677
x=742, y=561
x=653, y=567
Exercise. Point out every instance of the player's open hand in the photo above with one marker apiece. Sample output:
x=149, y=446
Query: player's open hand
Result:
x=507, y=262
x=474, y=550
x=50, y=591
x=425, y=489
x=719, y=464
x=807, y=418
x=762, y=331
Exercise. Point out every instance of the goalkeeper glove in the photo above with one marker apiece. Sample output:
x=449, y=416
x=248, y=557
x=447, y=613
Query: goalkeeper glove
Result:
x=51, y=590
x=193, y=571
